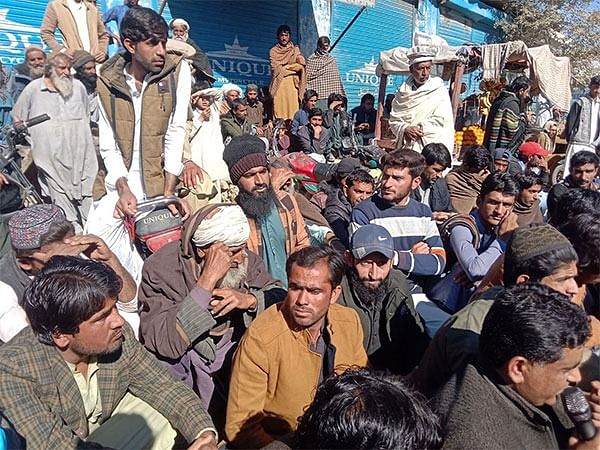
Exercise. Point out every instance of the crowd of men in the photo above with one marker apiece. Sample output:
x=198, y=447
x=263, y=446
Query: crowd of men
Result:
x=444, y=302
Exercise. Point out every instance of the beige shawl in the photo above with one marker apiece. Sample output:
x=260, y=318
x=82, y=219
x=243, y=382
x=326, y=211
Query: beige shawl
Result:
x=287, y=61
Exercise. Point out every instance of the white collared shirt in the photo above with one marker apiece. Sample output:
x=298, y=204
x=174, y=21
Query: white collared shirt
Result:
x=79, y=11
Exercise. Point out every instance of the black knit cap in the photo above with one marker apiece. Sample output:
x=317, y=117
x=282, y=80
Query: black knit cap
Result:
x=242, y=154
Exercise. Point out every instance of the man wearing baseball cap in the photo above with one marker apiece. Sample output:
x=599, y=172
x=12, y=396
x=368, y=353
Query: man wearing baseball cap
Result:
x=394, y=334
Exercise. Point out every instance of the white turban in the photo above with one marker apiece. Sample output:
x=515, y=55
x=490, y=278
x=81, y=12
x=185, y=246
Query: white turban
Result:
x=228, y=225
x=176, y=22
x=231, y=87
x=420, y=53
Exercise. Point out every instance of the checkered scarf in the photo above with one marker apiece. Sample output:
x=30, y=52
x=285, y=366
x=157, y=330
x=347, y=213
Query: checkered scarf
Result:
x=323, y=75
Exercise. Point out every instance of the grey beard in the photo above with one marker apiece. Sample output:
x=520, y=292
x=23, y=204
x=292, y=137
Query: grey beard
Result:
x=63, y=85
x=36, y=72
x=234, y=278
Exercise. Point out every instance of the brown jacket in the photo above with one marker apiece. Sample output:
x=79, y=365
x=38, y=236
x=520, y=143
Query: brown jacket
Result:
x=59, y=16
x=275, y=373
x=159, y=100
x=296, y=236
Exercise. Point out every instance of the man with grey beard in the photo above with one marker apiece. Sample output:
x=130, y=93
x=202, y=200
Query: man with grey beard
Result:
x=62, y=147
x=198, y=295
x=394, y=335
x=30, y=69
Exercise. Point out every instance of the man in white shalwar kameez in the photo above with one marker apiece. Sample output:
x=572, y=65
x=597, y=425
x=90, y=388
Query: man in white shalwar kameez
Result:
x=421, y=110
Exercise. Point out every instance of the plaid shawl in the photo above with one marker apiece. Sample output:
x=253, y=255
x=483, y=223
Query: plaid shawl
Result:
x=323, y=75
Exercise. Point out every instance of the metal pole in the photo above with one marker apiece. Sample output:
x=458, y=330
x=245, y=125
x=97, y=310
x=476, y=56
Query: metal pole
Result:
x=161, y=8
x=362, y=8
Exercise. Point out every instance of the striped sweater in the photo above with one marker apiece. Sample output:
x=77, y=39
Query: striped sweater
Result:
x=505, y=129
x=408, y=225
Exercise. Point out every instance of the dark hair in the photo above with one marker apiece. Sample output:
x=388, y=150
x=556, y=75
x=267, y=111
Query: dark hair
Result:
x=583, y=231
x=308, y=94
x=140, y=24
x=366, y=97
x=595, y=80
x=573, y=202
x=501, y=182
x=360, y=409
x=315, y=112
x=68, y=291
x=533, y=321
x=322, y=41
x=309, y=256
x=359, y=175
x=413, y=161
x=527, y=179
x=584, y=157
x=236, y=103
x=477, y=158
x=519, y=83
x=537, y=267
x=283, y=28
x=437, y=154
x=56, y=233
x=335, y=97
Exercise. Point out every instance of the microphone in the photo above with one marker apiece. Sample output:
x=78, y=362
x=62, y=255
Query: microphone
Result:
x=579, y=411
x=22, y=125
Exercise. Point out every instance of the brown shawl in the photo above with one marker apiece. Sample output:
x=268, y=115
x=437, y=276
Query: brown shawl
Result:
x=281, y=57
x=528, y=214
x=464, y=188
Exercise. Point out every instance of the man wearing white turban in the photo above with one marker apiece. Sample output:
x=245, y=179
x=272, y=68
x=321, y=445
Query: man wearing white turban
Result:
x=421, y=110
x=198, y=296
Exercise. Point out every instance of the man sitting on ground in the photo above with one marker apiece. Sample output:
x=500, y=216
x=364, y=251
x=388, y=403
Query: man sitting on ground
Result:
x=433, y=190
x=235, y=122
x=502, y=159
x=198, y=295
x=464, y=182
x=277, y=228
x=37, y=233
x=394, y=336
x=583, y=170
x=290, y=348
x=531, y=345
x=356, y=187
x=534, y=254
x=112, y=392
x=527, y=206
x=479, y=239
x=313, y=138
x=363, y=410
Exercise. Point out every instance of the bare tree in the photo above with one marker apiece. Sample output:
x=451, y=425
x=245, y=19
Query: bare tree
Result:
x=570, y=27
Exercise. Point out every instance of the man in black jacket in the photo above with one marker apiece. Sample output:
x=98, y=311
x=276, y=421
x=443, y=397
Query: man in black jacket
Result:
x=530, y=348
x=355, y=187
x=394, y=335
x=433, y=190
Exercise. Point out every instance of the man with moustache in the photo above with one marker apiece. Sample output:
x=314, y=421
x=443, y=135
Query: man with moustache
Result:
x=421, y=110
x=277, y=228
x=479, y=239
x=394, y=335
x=198, y=296
x=23, y=73
x=62, y=147
x=290, y=349
x=85, y=71
x=113, y=394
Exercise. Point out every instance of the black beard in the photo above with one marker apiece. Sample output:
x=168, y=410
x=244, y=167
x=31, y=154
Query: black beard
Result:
x=368, y=296
x=256, y=206
x=88, y=82
x=251, y=101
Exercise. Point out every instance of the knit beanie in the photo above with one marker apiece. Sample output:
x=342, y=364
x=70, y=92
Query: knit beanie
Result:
x=535, y=240
x=81, y=58
x=242, y=154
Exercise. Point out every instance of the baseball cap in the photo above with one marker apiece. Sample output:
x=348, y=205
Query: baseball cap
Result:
x=532, y=148
x=502, y=154
x=372, y=238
